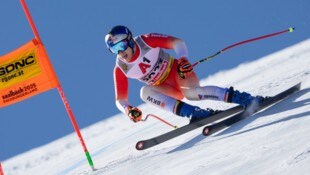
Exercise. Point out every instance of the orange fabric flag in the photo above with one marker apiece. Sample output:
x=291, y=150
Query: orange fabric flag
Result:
x=25, y=72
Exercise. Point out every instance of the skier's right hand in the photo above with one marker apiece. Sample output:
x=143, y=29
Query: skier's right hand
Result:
x=134, y=113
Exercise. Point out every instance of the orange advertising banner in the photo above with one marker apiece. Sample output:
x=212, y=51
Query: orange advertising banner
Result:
x=25, y=72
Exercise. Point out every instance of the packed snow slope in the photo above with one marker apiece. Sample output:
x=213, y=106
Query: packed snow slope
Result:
x=274, y=141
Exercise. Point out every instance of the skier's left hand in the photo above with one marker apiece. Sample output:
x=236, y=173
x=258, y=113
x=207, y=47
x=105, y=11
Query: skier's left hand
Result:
x=184, y=67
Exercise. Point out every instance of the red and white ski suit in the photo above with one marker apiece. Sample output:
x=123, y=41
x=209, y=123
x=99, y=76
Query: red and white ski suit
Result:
x=152, y=65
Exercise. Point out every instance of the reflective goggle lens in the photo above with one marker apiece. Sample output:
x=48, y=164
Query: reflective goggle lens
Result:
x=120, y=46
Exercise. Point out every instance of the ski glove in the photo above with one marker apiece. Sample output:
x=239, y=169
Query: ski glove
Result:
x=134, y=113
x=184, y=67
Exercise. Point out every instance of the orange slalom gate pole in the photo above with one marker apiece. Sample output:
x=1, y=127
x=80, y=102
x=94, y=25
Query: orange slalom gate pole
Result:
x=75, y=126
x=1, y=171
x=60, y=90
x=33, y=27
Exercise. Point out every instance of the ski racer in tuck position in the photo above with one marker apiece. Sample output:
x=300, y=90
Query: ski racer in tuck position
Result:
x=168, y=80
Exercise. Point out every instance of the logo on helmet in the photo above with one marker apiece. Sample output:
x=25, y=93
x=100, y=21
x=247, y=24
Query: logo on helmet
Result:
x=117, y=38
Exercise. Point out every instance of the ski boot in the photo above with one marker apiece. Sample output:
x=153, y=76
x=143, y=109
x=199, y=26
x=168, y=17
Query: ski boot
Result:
x=243, y=98
x=194, y=113
x=200, y=114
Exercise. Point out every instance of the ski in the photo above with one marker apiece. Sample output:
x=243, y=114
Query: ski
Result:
x=233, y=115
x=211, y=129
x=144, y=144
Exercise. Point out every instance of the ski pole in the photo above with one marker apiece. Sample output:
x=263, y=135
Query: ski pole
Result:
x=160, y=119
x=291, y=29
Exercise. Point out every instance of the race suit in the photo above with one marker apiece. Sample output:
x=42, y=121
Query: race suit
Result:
x=157, y=68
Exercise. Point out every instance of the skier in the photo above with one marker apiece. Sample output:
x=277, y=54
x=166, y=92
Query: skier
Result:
x=169, y=80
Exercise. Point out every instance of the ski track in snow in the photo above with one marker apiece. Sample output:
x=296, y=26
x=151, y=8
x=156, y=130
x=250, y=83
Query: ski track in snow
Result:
x=300, y=157
x=274, y=141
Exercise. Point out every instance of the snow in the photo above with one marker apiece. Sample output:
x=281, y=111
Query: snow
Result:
x=274, y=141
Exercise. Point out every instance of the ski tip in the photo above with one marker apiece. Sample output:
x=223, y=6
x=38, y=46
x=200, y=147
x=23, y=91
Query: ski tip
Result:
x=297, y=86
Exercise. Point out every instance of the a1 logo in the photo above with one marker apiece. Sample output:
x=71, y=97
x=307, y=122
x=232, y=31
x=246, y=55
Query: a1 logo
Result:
x=143, y=66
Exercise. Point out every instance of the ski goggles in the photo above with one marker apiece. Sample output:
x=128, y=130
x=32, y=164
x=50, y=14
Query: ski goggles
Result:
x=119, y=46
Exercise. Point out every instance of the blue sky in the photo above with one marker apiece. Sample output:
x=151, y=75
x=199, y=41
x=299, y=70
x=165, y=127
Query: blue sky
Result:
x=73, y=33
